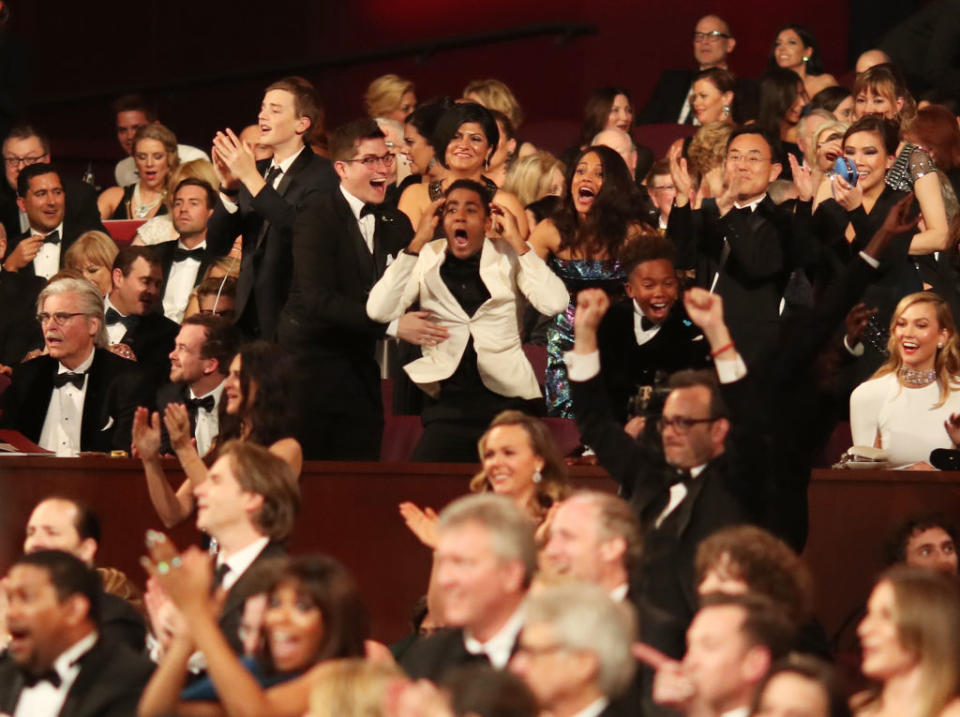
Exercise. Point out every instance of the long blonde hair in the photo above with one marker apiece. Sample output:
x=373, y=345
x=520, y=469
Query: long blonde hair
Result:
x=947, y=363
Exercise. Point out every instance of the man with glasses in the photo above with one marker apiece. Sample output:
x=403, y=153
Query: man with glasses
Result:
x=341, y=245
x=78, y=396
x=261, y=200
x=712, y=44
x=708, y=471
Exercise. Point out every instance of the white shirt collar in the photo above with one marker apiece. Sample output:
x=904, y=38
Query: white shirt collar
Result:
x=83, y=367
x=499, y=647
x=697, y=470
x=594, y=709
x=241, y=560
x=643, y=335
x=201, y=245
x=738, y=712
x=356, y=205
x=34, y=231
x=619, y=593
x=752, y=206
x=215, y=393
x=65, y=661
x=285, y=164
x=107, y=305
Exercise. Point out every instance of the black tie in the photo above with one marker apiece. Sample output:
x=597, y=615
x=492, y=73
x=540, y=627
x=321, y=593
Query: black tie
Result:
x=272, y=174
x=179, y=254
x=51, y=676
x=206, y=403
x=682, y=475
x=368, y=209
x=65, y=377
x=647, y=324
x=114, y=316
x=220, y=574
x=52, y=238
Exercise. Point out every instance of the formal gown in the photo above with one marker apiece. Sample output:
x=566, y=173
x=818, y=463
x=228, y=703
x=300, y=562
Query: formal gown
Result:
x=577, y=274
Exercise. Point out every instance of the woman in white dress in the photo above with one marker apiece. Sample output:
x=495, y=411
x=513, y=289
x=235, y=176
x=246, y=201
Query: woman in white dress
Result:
x=911, y=405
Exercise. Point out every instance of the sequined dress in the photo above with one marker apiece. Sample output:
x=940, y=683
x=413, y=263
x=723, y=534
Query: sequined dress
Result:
x=577, y=274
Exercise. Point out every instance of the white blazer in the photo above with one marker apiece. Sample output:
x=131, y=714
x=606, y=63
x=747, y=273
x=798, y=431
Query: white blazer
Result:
x=495, y=326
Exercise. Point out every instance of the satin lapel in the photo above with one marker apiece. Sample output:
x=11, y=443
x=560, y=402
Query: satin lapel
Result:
x=489, y=272
x=385, y=225
x=685, y=509
x=89, y=429
x=437, y=287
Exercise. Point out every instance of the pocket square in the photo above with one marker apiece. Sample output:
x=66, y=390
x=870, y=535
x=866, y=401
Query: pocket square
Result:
x=108, y=424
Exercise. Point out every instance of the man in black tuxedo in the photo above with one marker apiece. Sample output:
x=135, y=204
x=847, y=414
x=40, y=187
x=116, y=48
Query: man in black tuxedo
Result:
x=57, y=664
x=59, y=523
x=21, y=148
x=691, y=484
x=261, y=200
x=19, y=332
x=483, y=563
x=79, y=396
x=40, y=249
x=647, y=339
x=184, y=260
x=340, y=246
x=712, y=44
x=129, y=314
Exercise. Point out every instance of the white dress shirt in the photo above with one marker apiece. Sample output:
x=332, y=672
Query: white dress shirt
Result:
x=368, y=224
x=43, y=699
x=594, y=709
x=64, y=419
x=208, y=422
x=499, y=647
x=643, y=335
x=240, y=561
x=619, y=593
x=180, y=283
x=115, y=331
x=231, y=206
x=47, y=261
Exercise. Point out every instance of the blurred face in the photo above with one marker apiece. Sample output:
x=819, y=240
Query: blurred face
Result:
x=278, y=120
x=225, y=306
x=556, y=184
x=473, y=580
x=707, y=101
x=574, y=548
x=465, y=222
x=789, y=50
x=932, y=548
x=663, y=193
x=587, y=181
x=367, y=181
x=407, y=102
x=186, y=363
x=829, y=147
x=509, y=461
x=505, y=148
x=44, y=203
x=792, y=115
x=138, y=291
x=621, y=144
x=222, y=503
x=72, y=341
x=93, y=272
x=710, y=50
x=36, y=619
x=716, y=654
x=233, y=389
x=551, y=671
x=845, y=110
x=884, y=656
x=419, y=151
x=53, y=526
x=867, y=151
x=468, y=148
x=294, y=627
x=722, y=578
x=127, y=125
x=621, y=114
x=190, y=211
x=917, y=333
x=869, y=102
x=791, y=695
x=19, y=153
x=653, y=285
x=749, y=162
x=694, y=446
x=152, y=163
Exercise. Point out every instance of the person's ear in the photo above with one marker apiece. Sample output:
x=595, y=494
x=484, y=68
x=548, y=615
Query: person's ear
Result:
x=775, y=169
x=731, y=43
x=719, y=430
x=116, y=277
x=303, y=125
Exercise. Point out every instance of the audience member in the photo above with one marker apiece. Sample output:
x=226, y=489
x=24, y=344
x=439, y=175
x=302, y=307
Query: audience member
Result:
x=662, y=191
x=924, y=46
x=19, y=332
x=214, y=295
x=533, y=177
x=621, y=143
x=871, y=58
x=713, y=96
x=57, y=662
x=800, y=685
x=606, y=108
x=795, y=48
x=390, y=97
x=78, y=396
x=93, y=254
x=418, y=129
x=706, y=154
x=353, y=686
x=160, y=227
x=155, y=154
x=835, y=99
x=935, y=128
x=782, y=99
x=495, y=95
x=264, y=208
x=924, y=541
x=505, y=152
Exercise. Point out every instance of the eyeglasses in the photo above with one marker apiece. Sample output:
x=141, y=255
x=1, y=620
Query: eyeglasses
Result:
x=711, y=36
x=751, y=159
x=664, y=188
x=535, y=651
x=681, y=424
x=13, y=161
x=225, y=313
x=59, y=318
x=386, y=160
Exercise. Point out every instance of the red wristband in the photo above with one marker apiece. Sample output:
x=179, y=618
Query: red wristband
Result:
x=725, y=347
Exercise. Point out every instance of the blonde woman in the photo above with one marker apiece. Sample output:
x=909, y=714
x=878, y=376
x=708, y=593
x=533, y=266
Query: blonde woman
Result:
x=390, y=97
x=155, y=155
x=92, y=254
x=535, y=176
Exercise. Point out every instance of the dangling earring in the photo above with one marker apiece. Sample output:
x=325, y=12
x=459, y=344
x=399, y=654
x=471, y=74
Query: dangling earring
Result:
x=939, y=346
x=537, y=476
x=726, y=111
x=486, y=163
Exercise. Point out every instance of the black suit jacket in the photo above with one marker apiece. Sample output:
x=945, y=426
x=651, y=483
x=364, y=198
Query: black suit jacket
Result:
x=72, y=229
x=80, y=209
x=164, y=253
x=430, y=658
x=673, y=87
x=325, y=321
x=121, y=623
x=232, y=611
x=115, y=387
x=152, y=340
x=266, y=222
x=19, y=330
x=111, y=679
x=173, y=393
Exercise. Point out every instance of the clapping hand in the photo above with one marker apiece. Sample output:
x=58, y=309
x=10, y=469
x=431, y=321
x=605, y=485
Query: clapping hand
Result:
x=422, y=523
x=680, y=174
x=177, y=421
x=146, y=434
x=186, y=578
x=234, y=160
x=672, y=687
x=802, y=179
x=952, y=425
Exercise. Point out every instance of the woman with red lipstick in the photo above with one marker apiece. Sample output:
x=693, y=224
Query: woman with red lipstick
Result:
x=912, y=404
x=155, y=155
x=601, y=210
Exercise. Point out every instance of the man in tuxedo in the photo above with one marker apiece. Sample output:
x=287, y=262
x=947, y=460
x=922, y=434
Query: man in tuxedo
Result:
x=660, y=187
x=261, y=200
x=19, y=332
x=184, y=260
x=58, y=664
x=574, y=652
x=129, y=314
x=474, y=282
x=59, y=523
x=645, y=340
x=78, y=396
x=483, y=564
x=24, y=146
x=40, y=249
x=690, y=484
x=340, y=247
x=712, y=44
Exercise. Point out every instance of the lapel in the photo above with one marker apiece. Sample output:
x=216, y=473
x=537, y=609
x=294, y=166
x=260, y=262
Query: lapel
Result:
x=437, y=287
x=302, y=160
x=237, y=594
x=10, y=686
x=384, y=228
x=364, y=259
x=91, y=669
x=93, y=401
x=489, y=273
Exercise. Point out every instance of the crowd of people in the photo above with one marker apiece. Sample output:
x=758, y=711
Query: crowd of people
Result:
x=708, y=319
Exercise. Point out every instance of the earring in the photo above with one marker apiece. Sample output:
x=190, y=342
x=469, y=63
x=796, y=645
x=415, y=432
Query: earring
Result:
x=940, y=346
x=432, y=163
x=537, y=476
x=726, y=111
x=486, y=163
x=806, y=59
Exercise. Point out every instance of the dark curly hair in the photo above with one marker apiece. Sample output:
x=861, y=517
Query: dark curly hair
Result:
x=619, y=204
x=270, y=414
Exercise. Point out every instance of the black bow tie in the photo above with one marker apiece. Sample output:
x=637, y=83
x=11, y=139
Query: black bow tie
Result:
x=179, y=254
x=31, y=680
x=113, y=316
x=206, y=403
x=647, y=324
x=682, y=475
x=65, y=377
x=52, y=238
x=368, y=209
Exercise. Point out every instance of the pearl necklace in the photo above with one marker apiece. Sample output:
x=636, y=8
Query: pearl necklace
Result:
x=917, y=377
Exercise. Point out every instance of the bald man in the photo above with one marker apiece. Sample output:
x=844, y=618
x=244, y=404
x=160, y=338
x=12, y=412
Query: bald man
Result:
x=871, y=58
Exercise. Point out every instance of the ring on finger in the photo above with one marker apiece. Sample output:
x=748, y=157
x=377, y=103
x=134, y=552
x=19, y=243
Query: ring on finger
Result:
x=163, y=567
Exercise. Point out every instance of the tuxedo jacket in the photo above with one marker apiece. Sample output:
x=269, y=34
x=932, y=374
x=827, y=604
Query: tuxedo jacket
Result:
x=679, y=344
x=151, y=341
x=112, y=677
x=494, y=327
x=115, y=387
x=232, y=612
x=72, y=229
x=671, y=92
x=266, y=222
x=19, y=330
x=80, y=209
x=432, y=657
x=174, y=393
x=325, y=323
x=164, y=253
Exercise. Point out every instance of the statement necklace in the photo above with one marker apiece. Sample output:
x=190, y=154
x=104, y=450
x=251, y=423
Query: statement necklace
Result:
x=142, y=209
x=917, y=377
